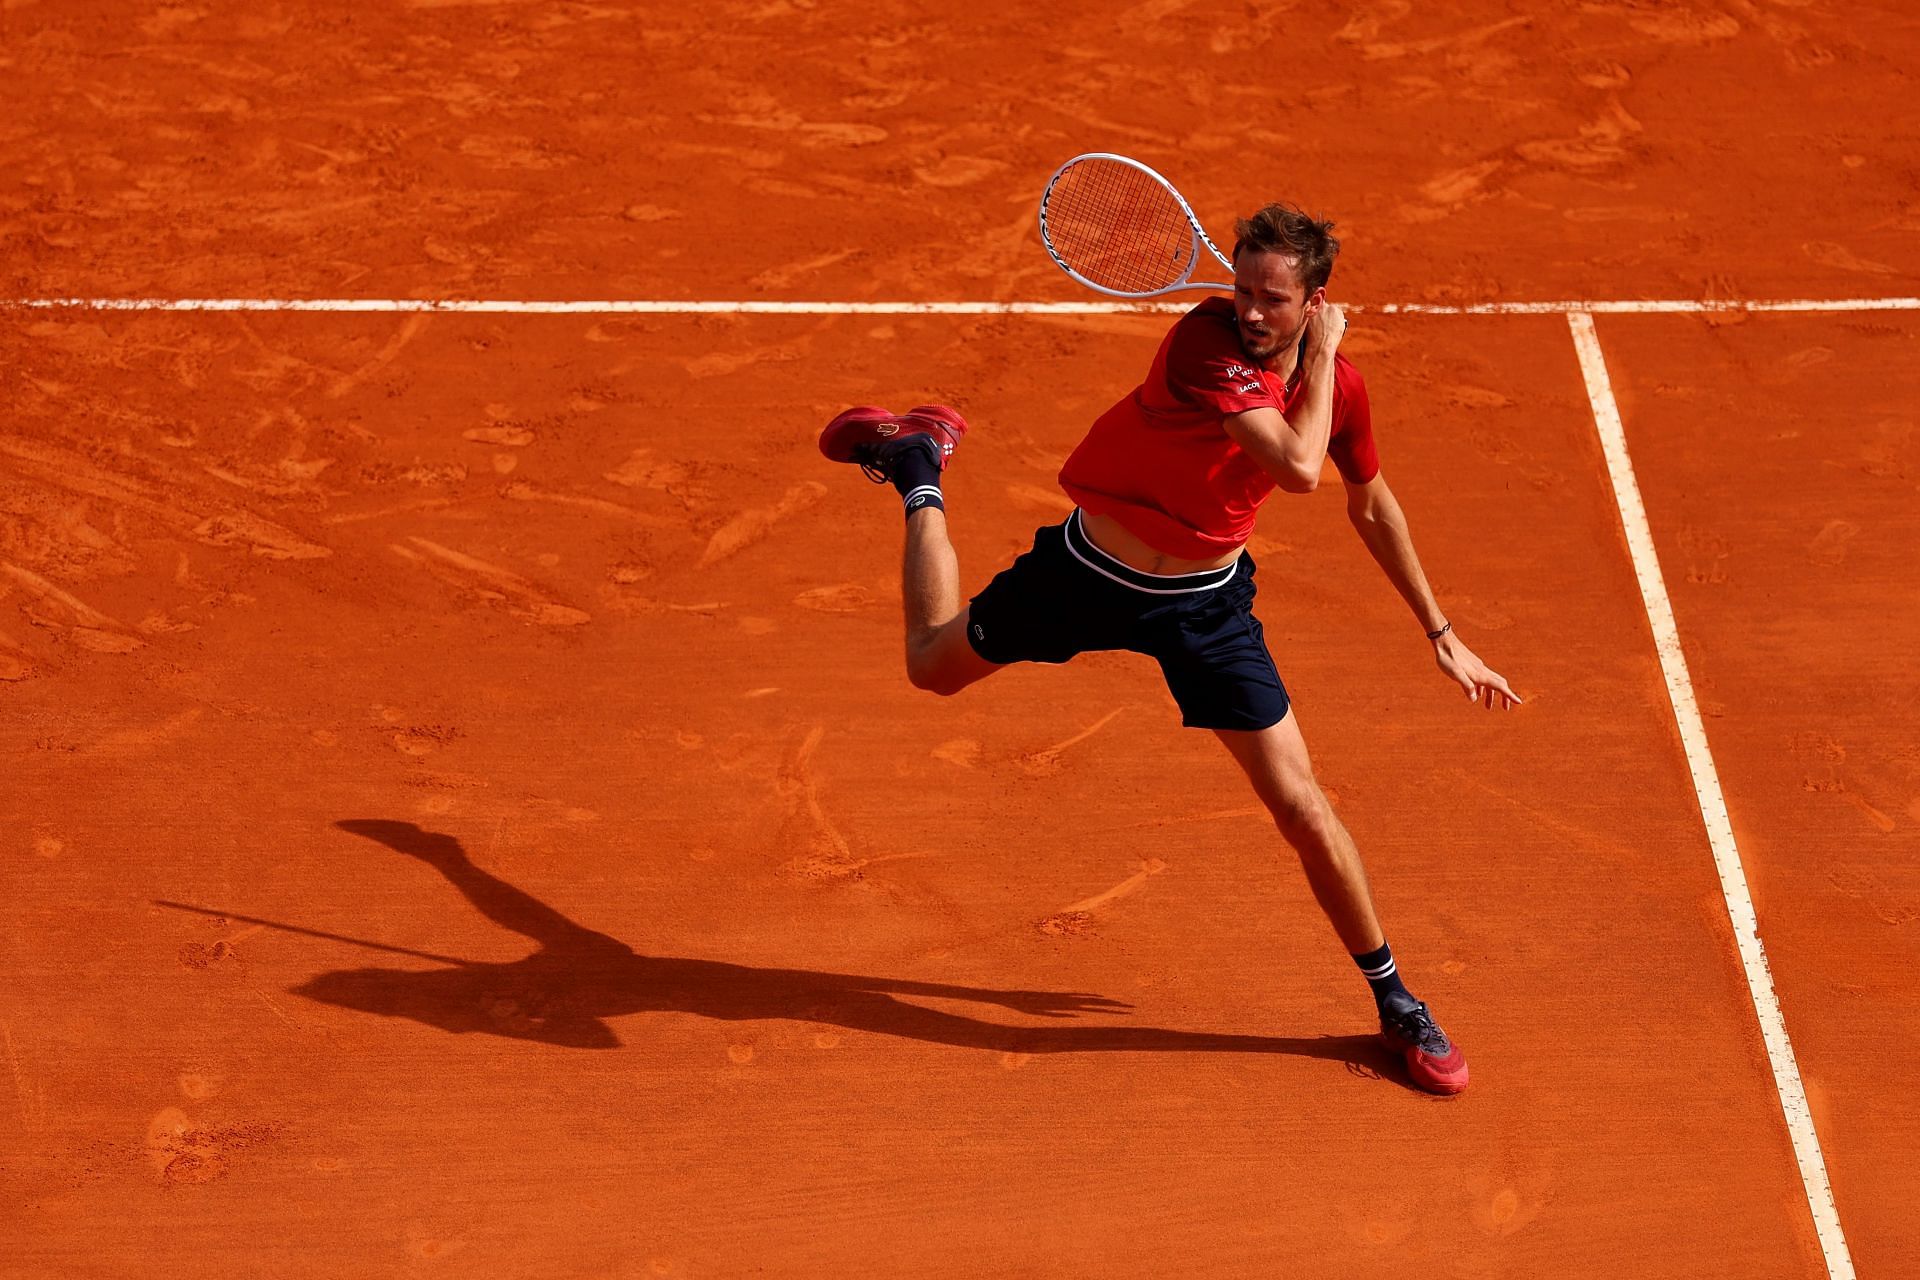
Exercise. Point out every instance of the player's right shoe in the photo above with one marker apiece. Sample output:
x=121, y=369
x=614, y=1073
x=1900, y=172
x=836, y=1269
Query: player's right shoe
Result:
x=1435, y=1062
x=872, y=437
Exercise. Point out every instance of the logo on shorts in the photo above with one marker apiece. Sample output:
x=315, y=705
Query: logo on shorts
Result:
x=979, y=632
x=886, y=428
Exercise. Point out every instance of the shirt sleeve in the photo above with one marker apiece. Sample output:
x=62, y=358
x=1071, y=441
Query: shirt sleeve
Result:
x=1206, y=368
x=1352, y=446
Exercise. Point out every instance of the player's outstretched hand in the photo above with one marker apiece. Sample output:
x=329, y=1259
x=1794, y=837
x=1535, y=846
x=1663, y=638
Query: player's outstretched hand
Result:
x=1482, y=683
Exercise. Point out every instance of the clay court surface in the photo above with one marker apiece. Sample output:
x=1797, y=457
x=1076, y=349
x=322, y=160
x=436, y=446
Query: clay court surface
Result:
x=462, y=810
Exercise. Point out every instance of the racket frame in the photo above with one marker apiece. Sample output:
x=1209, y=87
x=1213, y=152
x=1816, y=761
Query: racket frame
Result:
x=1200, y=236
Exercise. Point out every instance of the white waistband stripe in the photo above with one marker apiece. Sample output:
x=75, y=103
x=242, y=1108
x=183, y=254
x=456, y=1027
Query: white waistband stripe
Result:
x=1133, y=579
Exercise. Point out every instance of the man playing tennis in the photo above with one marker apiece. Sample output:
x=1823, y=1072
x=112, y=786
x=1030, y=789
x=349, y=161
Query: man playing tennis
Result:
x=1243, y=396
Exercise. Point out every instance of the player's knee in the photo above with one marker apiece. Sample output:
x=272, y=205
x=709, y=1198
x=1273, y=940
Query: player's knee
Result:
x=1302, y=813
x=923, y=672
x=935, y=663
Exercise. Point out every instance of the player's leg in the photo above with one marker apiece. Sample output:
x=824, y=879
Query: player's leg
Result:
x=910, y=451
x=939, y=657
x=1276, y=763
x=1214, y=653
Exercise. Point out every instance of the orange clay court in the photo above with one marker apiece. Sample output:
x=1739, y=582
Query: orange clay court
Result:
x=463, y=812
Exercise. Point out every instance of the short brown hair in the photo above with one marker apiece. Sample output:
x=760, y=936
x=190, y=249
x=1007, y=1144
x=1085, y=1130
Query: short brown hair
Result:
x=1283, y=229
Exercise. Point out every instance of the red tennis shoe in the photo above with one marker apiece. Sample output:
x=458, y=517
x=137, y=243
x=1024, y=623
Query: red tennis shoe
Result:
x=943, y=421
x=1435, y=1062
x=866, y=434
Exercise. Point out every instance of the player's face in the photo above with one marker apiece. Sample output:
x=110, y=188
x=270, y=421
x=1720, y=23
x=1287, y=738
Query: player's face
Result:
x=1271, y=302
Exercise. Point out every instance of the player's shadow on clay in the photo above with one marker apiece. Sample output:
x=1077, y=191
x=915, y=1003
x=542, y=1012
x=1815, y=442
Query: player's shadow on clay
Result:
x=563, y=993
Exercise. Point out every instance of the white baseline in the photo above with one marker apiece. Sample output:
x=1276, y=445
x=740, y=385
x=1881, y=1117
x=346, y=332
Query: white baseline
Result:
x=1713, y=806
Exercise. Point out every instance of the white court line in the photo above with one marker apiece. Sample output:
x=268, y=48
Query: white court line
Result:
x=1713, y=806
x=499, y=306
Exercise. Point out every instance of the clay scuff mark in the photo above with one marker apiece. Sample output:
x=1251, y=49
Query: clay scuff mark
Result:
x=491, y=583
x=752, y=526
x=213, y=523
x=1079, y=918
x=1046, y=761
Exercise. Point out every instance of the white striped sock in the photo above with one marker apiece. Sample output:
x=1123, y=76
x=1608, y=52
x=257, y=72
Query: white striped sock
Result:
x=926, y=495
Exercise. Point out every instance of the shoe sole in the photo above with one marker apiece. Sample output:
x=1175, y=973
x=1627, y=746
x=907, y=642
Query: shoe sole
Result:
x=868, y=424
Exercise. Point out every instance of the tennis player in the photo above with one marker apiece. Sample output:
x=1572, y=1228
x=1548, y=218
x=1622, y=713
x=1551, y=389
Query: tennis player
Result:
x=1243, y=397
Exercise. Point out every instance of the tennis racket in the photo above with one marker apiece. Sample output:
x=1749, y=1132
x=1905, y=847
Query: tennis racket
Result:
x=1119, y=228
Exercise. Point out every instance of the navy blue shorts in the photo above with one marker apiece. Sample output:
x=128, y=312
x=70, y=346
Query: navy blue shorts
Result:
x=1066, y=596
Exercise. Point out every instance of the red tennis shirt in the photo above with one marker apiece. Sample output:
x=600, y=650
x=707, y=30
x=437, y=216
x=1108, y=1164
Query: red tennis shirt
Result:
x=1161, y=463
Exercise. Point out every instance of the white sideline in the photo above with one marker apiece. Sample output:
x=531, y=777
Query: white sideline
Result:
x=1713, y=806
x=496, y=306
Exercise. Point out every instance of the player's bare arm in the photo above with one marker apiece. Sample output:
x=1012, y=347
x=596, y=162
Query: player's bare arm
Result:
x=1382, y=525
x=1292, y=446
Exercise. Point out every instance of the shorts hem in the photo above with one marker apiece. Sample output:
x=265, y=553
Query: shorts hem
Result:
x=1190, y=723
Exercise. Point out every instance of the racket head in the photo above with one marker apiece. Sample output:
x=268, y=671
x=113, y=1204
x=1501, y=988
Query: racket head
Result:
x=1118, y=227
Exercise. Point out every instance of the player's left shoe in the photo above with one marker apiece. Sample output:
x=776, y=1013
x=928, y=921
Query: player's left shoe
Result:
x=868, y=434
x=1434, y=1061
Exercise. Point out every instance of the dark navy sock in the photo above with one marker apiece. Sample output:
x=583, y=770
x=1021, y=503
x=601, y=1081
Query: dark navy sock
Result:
x=927, y=495
x=915, y=473
x=1381, y=973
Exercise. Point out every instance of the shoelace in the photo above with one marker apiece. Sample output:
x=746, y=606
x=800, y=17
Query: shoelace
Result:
x=864, y=455
x=1417, y=1025
x=873, y=470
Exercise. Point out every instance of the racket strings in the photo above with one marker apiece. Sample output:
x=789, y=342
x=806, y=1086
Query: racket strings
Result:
x=1118, y=227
